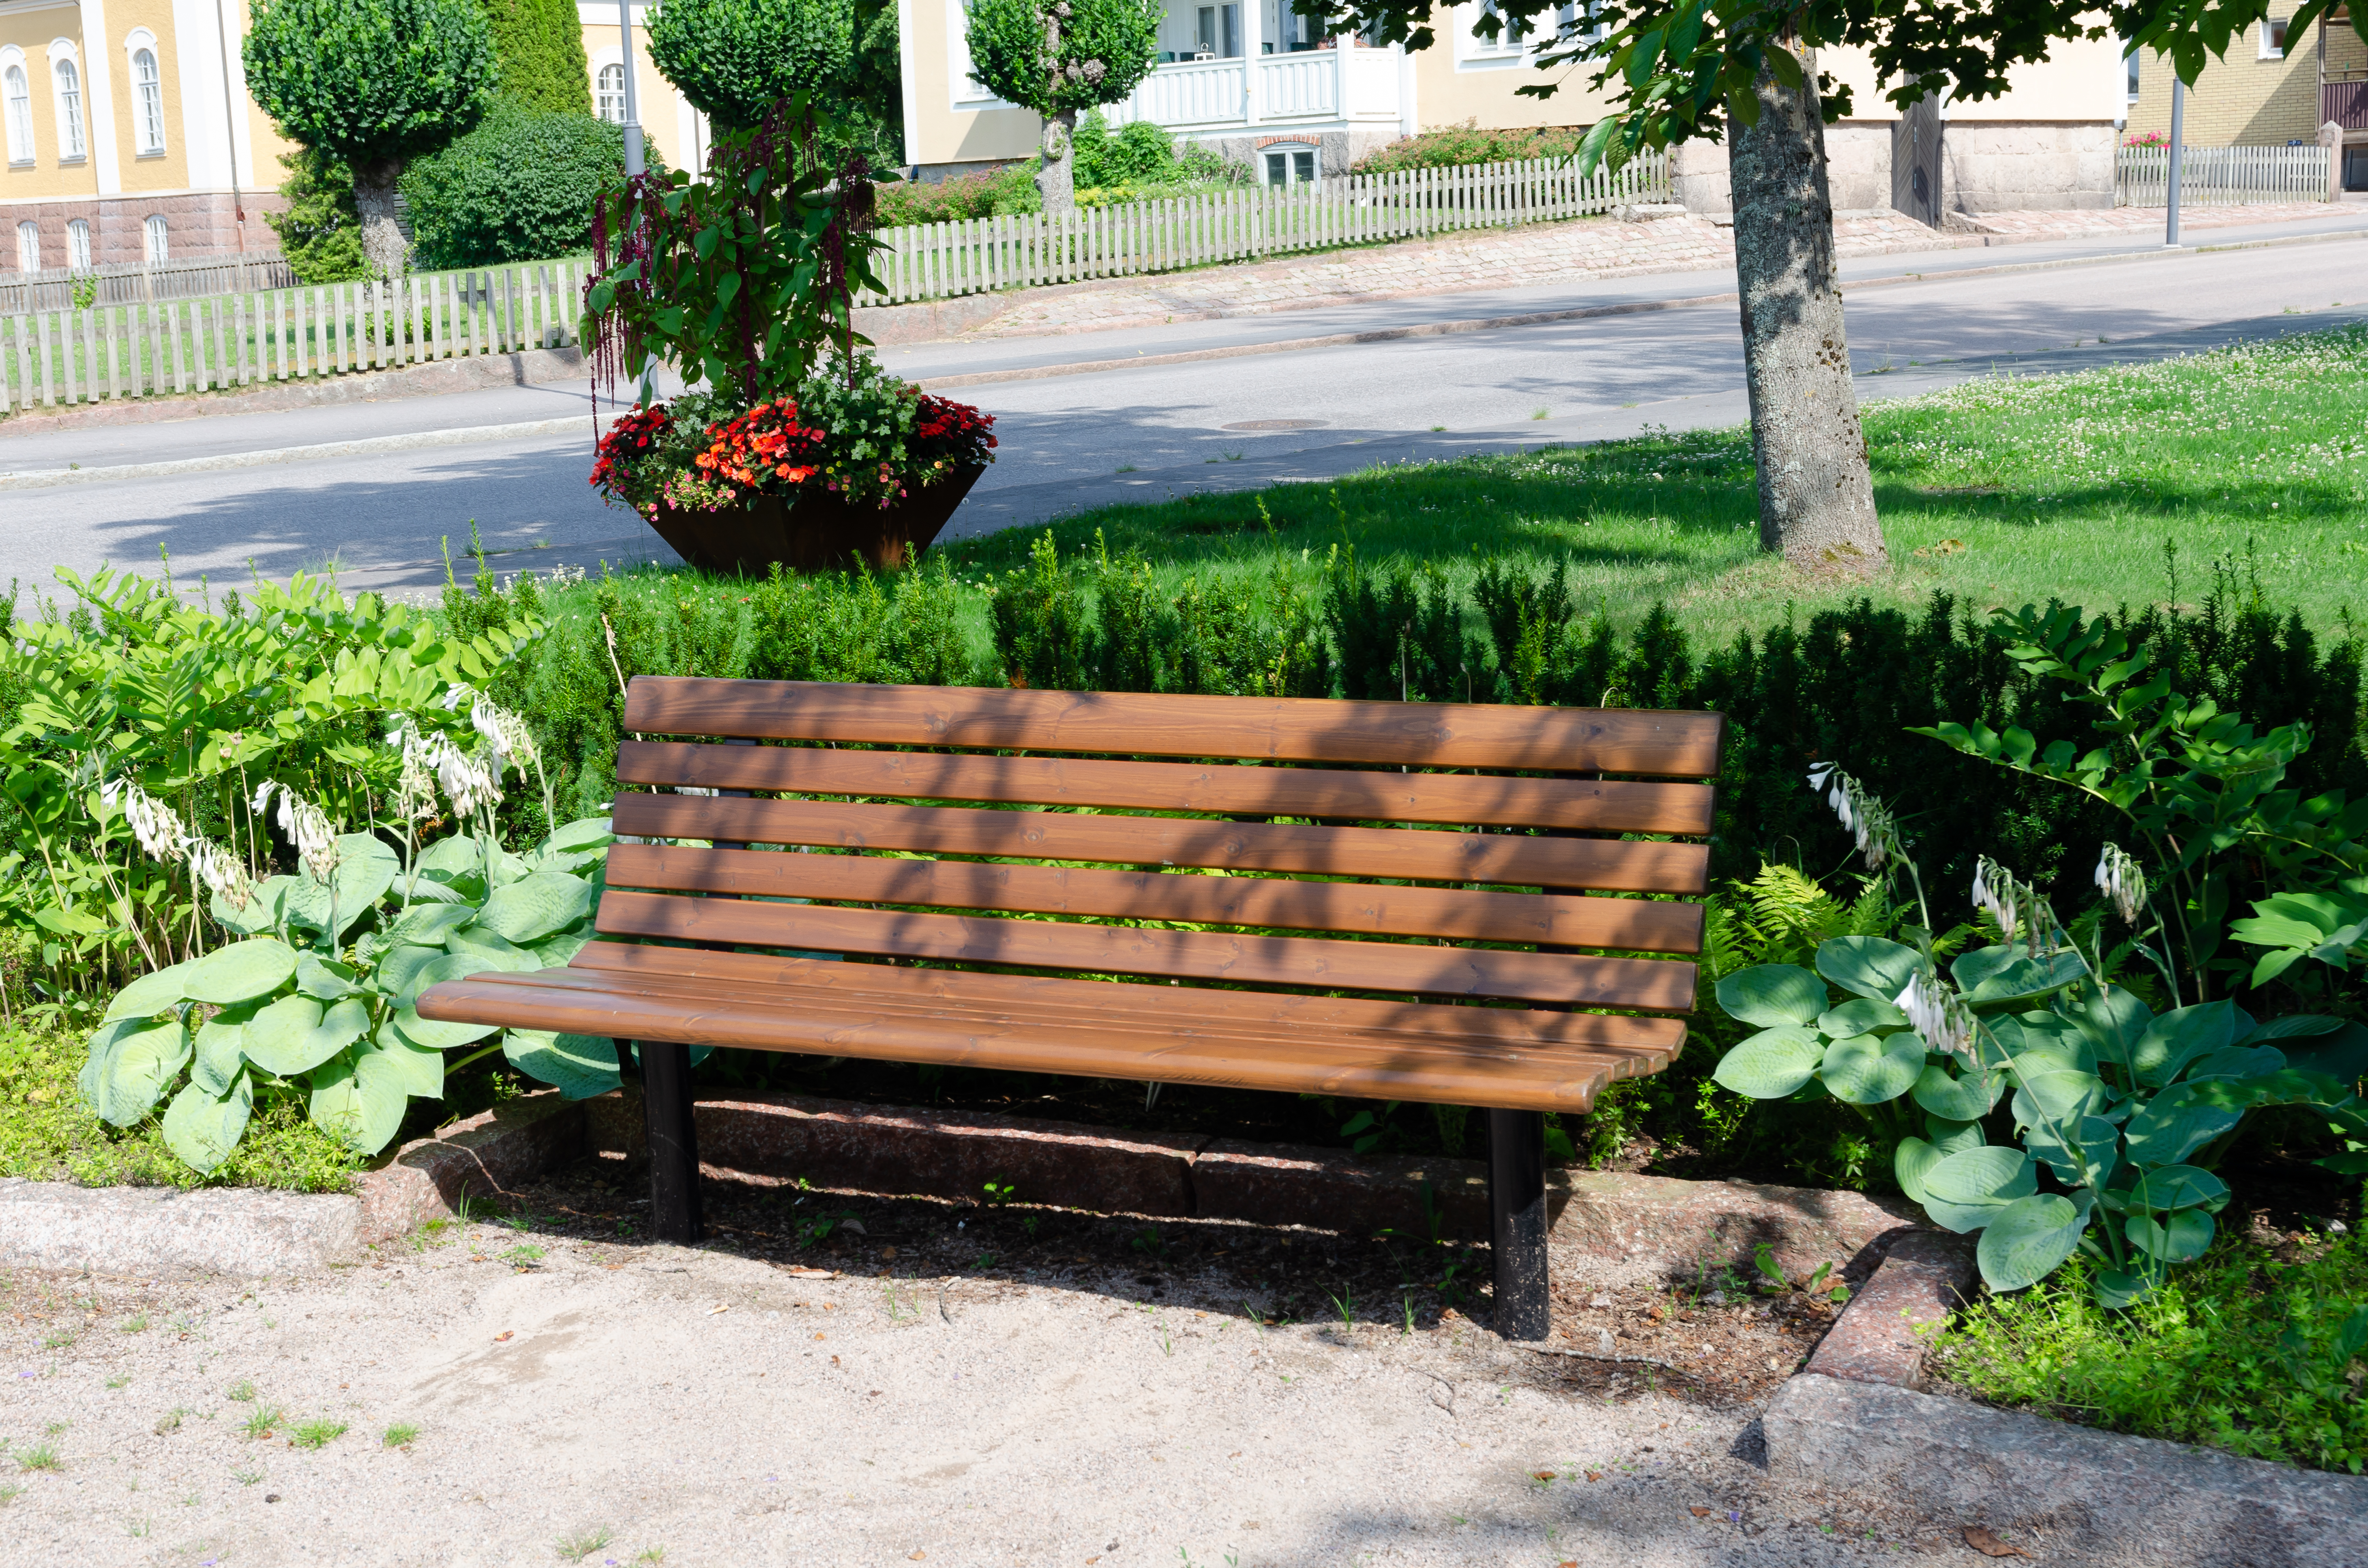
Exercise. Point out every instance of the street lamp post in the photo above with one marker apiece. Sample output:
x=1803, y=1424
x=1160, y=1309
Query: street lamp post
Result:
x=2177, y=137
x=634, y=160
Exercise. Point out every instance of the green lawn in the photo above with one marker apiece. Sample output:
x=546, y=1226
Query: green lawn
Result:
x=2099, y=488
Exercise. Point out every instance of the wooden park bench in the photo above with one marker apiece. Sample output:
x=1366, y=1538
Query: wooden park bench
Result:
x=1406, y=905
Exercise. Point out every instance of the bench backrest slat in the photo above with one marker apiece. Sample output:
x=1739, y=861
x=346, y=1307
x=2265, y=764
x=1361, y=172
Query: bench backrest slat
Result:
x=1414, y=734
x=1082, y=863
x=1461, y=799
x=1610, y=865
x=1645, y=984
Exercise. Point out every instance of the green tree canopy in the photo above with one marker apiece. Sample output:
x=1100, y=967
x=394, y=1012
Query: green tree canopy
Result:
x=1063, y=58
x=374, y=84
x=540, y=47
x=736, y=58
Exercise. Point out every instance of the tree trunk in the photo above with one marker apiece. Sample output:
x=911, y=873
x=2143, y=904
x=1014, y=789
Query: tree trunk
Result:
x=1057, y=182
x=374, y=200
x=1816, y=498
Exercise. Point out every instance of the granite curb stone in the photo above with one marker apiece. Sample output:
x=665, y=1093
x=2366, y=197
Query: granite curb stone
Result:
x=1885, y=1330
x=2069, y=1493
x=163, y=1230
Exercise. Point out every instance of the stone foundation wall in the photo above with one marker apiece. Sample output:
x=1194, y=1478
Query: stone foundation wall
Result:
x=198, y=224
x=1985, y=166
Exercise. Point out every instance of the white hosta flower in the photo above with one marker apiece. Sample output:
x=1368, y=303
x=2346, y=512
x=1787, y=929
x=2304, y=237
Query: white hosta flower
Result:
x=1935, y=1011
x=507, y=737
x=305, y=825
x=2120, y=879
x=223, y=872
x=1863, y=816
x=1995, y=890
x=415, y=783
x=469, y=783
x=156, y=826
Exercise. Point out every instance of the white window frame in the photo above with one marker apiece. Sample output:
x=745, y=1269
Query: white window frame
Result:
x=71, y=105
x=28, y=248
x=80, y=254
x=1295, y=152
x=155, y=239
x=17, y=108
x=1506, y=48
x=2271, y=50
x=2134, y=68
x=147, y=96
x=602, y=99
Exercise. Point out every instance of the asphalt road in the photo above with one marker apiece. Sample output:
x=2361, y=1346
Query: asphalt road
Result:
x=1074, y=440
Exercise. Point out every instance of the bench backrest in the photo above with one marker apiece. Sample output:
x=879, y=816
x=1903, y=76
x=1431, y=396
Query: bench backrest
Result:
x=1501, y=822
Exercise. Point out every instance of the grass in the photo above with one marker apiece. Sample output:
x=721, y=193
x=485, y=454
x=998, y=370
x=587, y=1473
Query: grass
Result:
x=577, y=1545
x=262, y=1422
x=396, y=1436
x=317, y=1434
x=48, y=1134
x=2001, y=491
x=41, y=1456
x=2252, y=1350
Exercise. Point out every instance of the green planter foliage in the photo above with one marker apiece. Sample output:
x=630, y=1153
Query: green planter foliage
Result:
x=520, y=187
x=539, y=46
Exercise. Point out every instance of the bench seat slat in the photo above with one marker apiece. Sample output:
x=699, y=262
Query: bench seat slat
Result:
x=1418, y=734
x=1645, y=984
x=1140, y=1046
x=1653, y=1039
x=1635, y=925
x=1398, y=853
x=1463, y=800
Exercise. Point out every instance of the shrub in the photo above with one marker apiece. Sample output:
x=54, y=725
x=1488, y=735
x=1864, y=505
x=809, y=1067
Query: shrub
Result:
x=1467, y=143
x=735, y=57
x=994, y=194
x=321, y=232
x=518, y=187
x=540, y=47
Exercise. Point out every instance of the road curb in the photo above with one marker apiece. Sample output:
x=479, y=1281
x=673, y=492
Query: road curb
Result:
x=161, y=1230
x=470, y=435
x=2063, y=1493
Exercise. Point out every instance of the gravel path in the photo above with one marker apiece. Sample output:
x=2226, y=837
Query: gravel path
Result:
x=646, y=1403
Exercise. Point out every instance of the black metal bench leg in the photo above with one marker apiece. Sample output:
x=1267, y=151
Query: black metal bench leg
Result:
x=674, y=1142
x=1517, y=1221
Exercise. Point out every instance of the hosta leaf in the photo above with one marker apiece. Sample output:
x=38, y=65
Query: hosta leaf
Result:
x=1952, y=1137
x=265, y=908
x=2292, y=1026
x=428, y=1032
x=553, y=951
x=580, y=1066
x=1964, y=1192
x=357, y=1097
x=2115, y=1022
x=2181, y=1119
x=150, y=994
x=492, y=951
x=428, y=923
x=365, y=869
x=2096, y=1159
x=536, y=905
x=1911, y=1162
x=1868, y=1070
x=583, y=833
x=241, y=972
x=1959, y=1099
x=2029, y=1240
x=418, y=1069
x=399, y=971
x=220, y=1046
x=2342, y=1055
x=2116, y=1289
x=2237, y=1062
x=1773, y=995
x=323, y=979
x=2025, y=978
x=294, y=1035
x=2176, y=1238
x=460, y=856
x=1859, y=1015
x=1771, y=1063
x=2174, y=1040
x=138, y=1059
x=2059, y=1096
x=2048, y=1041
x=2178, y=1186
x=1867, y=966
x=201, y=1126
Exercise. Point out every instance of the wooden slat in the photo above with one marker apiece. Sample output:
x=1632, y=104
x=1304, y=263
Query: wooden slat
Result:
x=1138, y=1047
x=1425, y=734
x=1648, y=1041
x=1401, y=854
x=1646, y=985
x=1461, y=799
x=1635, y=925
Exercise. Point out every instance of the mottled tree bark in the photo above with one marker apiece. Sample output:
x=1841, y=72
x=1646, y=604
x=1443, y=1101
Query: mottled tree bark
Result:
x=1057, y=182
x=374, y=200
x=1816, y=498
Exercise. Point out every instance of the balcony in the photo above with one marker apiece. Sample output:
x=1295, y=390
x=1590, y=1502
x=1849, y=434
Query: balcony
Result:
x=2346, y=103
x=1311, y=88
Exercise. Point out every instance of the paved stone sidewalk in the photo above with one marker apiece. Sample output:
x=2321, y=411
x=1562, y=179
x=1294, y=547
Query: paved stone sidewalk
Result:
x=1536, y=253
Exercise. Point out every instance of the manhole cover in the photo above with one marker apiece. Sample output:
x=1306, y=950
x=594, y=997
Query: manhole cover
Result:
x=1277, y=425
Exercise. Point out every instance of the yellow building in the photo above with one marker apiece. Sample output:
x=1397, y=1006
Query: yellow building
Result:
x=130, y=137
x=2268, y=90
x=1256, y=82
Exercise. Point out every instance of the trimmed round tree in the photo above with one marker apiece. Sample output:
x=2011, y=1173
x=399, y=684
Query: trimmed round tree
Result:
x=1062, y=58
x=374, y=84
x=735, y=59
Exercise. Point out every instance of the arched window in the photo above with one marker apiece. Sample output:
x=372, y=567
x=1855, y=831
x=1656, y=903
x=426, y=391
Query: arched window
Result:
x=78, y=244
x=611, y=95
x=28, y=246
x=160, y=243
x=19, y=93
x=149, y=89
x=70, y=136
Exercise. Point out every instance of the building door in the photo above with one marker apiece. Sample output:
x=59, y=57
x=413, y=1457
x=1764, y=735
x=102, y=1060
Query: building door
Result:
x=1916, y=161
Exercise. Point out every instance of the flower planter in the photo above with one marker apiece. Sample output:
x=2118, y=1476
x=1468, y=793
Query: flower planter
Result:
x=821, y=531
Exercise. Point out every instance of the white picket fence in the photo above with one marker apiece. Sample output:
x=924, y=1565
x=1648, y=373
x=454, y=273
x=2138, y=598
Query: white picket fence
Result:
x=49, y=358
x=2223, y=176
x=969, y=256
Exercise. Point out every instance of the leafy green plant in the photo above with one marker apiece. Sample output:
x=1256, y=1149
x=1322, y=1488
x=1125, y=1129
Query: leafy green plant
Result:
x=519, y=187
x=318, y=1433
x=735, y=59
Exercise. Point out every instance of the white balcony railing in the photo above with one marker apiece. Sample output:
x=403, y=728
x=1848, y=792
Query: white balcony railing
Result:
x=1300, y=87
x=1291, y=89
x=1204, y=92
